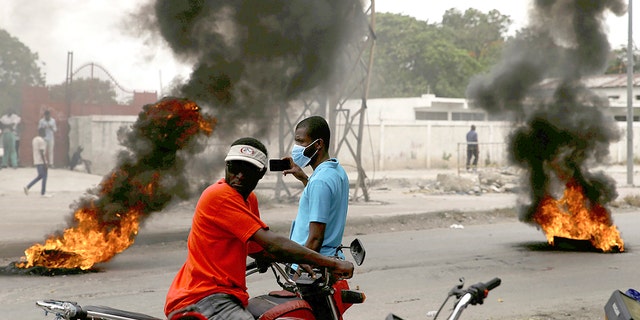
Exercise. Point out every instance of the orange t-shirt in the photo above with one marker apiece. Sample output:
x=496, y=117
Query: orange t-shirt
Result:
x=218, y=246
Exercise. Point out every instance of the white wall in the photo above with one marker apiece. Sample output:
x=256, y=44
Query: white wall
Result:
x=429, y=144
x=387, y=145
x=98, y=136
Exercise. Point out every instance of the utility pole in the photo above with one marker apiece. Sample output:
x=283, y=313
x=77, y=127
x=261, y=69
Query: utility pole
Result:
x=347, y=127
x=630, y=98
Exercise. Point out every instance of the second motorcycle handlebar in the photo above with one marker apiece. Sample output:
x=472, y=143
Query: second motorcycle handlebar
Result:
x=473, y=295
x=478, y=291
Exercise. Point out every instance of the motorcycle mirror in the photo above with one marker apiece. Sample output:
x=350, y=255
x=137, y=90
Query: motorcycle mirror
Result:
x=357, y=251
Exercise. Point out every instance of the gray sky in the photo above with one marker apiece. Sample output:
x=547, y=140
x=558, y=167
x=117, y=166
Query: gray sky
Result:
x=94, y=31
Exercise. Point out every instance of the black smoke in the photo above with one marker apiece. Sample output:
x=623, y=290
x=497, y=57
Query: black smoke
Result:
x=148, y=177
x=149, y=174
x=249, y=57
x=561, y=130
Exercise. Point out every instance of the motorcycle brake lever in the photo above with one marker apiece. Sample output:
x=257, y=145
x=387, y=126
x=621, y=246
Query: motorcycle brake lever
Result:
x=457, y=289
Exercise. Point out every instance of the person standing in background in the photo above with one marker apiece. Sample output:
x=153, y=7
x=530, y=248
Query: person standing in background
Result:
x=16, y=132
x=49, y=124
x=9, y=122
x=472, y=149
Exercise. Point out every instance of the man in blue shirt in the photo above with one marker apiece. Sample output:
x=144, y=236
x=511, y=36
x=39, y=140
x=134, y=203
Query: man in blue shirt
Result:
x=472, y=148
x=322, y=211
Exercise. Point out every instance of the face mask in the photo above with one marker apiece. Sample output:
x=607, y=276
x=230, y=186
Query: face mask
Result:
x=297, y=154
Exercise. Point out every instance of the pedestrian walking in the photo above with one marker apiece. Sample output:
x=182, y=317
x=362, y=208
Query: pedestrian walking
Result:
x=39, y=146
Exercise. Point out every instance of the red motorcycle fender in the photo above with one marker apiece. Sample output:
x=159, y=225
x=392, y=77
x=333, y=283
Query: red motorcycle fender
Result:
x=337, y=295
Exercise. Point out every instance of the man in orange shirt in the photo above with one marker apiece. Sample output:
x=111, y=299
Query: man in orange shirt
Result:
x=226, y=228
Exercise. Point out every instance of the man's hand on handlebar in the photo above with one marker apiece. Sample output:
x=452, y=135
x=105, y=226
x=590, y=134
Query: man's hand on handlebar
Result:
x=307, y=268
x=342, y=270
x=262, y=265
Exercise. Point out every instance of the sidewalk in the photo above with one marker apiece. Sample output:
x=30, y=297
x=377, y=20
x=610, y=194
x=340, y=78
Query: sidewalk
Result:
x=29, y=219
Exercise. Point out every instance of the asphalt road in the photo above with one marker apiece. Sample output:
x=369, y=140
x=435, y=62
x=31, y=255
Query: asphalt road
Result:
x=413, y=271
x=408, y=273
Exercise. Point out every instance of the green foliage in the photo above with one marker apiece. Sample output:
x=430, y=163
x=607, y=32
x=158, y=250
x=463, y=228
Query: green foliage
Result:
x=414, y=57
x=481, y=35
x=18, y=68
x=399, y=42
x=618, y=61
x=86, y=91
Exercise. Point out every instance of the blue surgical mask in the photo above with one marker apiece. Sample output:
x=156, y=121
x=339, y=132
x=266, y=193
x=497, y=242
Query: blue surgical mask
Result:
x=297, y=154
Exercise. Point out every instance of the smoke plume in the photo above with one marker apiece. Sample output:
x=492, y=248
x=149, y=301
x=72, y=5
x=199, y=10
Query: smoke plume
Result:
x=250, y=57
x=150, y=170
x=562, y=130
x=148, y=176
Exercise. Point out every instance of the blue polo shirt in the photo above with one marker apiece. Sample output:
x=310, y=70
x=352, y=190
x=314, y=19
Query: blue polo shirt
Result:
x=325, y=199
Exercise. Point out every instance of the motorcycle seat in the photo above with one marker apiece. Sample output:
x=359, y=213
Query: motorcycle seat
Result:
x=267, y=307
x=282, y=294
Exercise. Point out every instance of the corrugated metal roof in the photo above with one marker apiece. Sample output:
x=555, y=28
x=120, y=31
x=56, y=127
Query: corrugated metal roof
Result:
x=610, y=81
x=599, y=81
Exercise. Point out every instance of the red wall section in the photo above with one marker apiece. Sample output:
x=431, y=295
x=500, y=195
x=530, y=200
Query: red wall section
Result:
x=35, y=100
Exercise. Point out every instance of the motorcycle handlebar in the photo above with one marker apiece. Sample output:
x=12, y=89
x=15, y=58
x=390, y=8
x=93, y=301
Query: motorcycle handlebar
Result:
x=491, y=284
x=62, y=309
x=480, y=290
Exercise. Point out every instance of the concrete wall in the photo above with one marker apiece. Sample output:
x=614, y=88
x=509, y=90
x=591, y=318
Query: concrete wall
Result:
x=429, y=144
x=387, y=145
x=98, y=135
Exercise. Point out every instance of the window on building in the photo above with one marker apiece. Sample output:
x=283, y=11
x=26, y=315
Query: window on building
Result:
x=616, y=97
x=432, y=115
x=637, y=97
x=467, y=116
x=624, y=118
x=502, y=116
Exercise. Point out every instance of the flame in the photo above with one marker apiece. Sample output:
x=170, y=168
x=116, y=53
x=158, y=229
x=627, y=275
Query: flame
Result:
x=571, y=217
x=134, y=189
x=82, y=246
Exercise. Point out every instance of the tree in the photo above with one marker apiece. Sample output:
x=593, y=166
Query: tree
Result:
x=399, y=40
x=86, y=91
x=482, y=35
x=414, y=57
x=618, y=61
x=448, y=68
x=18, y=68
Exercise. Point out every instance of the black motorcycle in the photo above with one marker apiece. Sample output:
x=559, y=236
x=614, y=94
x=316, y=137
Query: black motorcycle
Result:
x=474, y=294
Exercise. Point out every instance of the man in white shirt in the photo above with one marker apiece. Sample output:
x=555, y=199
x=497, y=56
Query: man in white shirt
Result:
x=40, y=161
